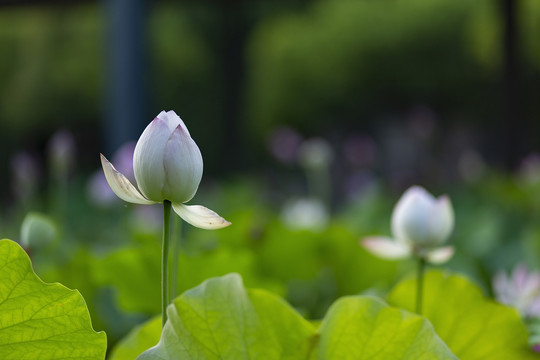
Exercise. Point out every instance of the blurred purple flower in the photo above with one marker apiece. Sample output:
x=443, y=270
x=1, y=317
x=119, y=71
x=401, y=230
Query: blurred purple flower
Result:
x=520, y=290
x=284, y=143
x=358, y=182
x=360, y=150
x=422, y=122
x=26, y=175
x=529, y=169
x=61, y=151
x=98, y=189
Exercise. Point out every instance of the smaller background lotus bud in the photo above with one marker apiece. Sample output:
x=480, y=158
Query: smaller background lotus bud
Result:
x=37, y=231
x=421, y=219
x=305, y=214
x=315, y=154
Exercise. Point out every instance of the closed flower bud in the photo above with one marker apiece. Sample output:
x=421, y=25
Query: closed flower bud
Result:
x=422, y=220
x=168, y=166
x=167, y=163
x=420, y=225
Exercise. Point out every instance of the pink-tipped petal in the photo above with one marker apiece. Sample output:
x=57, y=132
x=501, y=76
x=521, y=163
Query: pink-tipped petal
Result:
x=172, y=120
x=386, y=248
x=440, y=255
x=121, y=186
x=200, y=216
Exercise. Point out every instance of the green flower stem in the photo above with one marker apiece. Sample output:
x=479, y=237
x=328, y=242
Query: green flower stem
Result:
x=420, y=284
x=175, y=249
x=165, y=262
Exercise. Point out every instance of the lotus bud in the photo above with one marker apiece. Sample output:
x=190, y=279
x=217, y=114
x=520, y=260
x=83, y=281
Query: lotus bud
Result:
x=422, y=220
x=420, y=225
x=167, y=163
x=168, y=166
x=37, y=231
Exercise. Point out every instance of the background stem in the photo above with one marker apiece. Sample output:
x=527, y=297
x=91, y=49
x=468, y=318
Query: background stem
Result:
x=175, y=250
x=165, y=262
x=420, y=284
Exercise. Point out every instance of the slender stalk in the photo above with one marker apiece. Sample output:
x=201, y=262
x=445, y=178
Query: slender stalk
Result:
x=420, y=284
x=175, y=249
x=165, y=262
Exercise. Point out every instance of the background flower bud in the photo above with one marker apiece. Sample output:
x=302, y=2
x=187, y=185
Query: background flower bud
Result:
x=37, y=231
x=422, y=220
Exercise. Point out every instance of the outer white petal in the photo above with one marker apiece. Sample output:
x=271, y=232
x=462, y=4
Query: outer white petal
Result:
x=386, y=248
x=183, y=166
x=148, y=159
x=411, y=214
x=121, y=186
x=441, y=220
x=200, y=217
x=440, y=255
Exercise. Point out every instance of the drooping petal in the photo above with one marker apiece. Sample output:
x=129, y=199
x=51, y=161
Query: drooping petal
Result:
x=121, y=186
x=386, y=248
x=200, y=216
x=441, y=220
x=411, y=214
x=148, y=159
x=440, y=255
x=183, y=166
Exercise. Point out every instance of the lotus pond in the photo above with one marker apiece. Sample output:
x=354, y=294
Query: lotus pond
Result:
x=380, y=276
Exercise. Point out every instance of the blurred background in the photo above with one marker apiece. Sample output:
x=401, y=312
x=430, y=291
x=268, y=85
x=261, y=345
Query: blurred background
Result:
x=312, y=118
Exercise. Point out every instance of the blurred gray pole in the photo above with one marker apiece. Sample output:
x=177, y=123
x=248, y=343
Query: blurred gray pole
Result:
x=126, y=95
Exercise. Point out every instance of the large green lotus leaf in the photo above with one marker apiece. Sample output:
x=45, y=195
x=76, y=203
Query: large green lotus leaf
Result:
x=138, y=340
x=473, y=326
x=39, y=320
x=220, y=319
x=363, y=327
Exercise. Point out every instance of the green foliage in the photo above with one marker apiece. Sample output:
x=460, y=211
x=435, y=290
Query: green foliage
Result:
x=138, y=340
x=365, y=328
x=220, y=319
x=344, y=58
x=38, y=320
x=473, y=326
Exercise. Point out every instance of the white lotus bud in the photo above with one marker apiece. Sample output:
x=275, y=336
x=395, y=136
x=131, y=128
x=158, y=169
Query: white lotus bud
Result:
x=420, y=224
x=167, y=163
x=422, y=220
x=168, y=166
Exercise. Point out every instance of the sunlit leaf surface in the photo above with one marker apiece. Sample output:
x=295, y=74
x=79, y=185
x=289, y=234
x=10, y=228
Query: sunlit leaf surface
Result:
x=474, y=327
x=361, y=327
x=220, y=319
x=138, y=340
x=38, y=320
